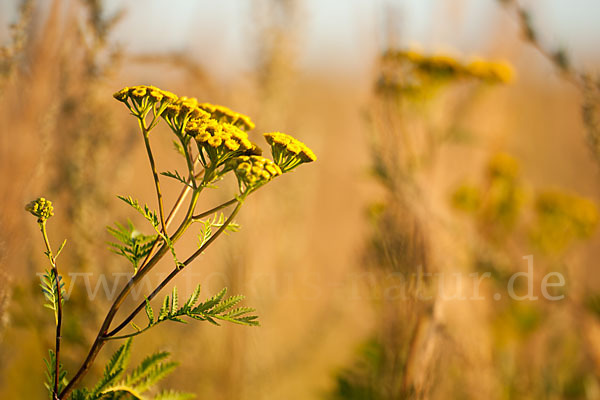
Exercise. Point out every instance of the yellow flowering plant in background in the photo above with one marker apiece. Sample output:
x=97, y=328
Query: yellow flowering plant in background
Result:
x=214, y=142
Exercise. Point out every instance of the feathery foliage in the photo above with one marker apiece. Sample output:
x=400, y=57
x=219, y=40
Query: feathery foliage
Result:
x=50, y=289
x=114, y=384
x=51, y=374
x=215, y=308
x=177, y=176
x=217, y=221
x=152, y=217
x=222, y=146
x=134, y=246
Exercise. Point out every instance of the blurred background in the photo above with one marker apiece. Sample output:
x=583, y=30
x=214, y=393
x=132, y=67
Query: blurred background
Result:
x=454, y=137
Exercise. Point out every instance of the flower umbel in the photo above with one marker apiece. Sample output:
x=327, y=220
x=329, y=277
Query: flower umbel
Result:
x=288, y=152
x=142, y=98
x=224, y=114
x=219, y=141
x=179, y=113
x=40, y=208
x=253, y=171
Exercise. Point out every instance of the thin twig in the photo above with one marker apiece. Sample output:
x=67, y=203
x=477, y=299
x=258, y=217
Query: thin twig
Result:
x=58, y=308
x=100, y=337
x=155, y=175
x=176, y=271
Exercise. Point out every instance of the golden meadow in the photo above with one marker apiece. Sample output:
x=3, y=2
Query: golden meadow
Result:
x=443, y=244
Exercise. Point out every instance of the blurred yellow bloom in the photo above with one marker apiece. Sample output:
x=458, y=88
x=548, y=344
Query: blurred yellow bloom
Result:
x=288, y=152
x=40, y=208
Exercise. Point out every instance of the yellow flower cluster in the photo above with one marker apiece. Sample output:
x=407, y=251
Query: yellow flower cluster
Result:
x=561, y=218
x=504, y=166
x=490, y=71
x=467, y=198
x=499, y=203
x=254, y=171
x=220, y=134
x=288, y=152
x=224, y=114
x=447, y=67
x=184, y=109
x=143, y=96
x=220, y=140
x=40, y=208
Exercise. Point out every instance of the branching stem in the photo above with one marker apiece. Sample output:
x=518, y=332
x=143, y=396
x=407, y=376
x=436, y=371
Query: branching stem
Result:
x=58, y=308
x=145, y=134
x=176, y=271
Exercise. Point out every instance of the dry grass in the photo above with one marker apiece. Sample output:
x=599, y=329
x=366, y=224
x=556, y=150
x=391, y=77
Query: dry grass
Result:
x=301, y=252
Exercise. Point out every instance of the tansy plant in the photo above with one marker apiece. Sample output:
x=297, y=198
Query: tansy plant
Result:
x=213, y=141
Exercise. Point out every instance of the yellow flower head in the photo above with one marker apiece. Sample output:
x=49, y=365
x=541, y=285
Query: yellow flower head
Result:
x=219, y=140
x=145, y=98
x=138, y=92
x=407, y=72
x=122, y=95
x=40, y=208
x=155, y=95
x=187, y=104
x=288, y=152
x=467, y=198
x=490, y=71
x=183, y=112
x=232, y=145
x=253, y=171
x=562, y=218
x=214, y=141
x=503, y=166
x=224, y=114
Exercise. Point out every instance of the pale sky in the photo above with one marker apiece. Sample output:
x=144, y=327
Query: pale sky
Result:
x=342, y=36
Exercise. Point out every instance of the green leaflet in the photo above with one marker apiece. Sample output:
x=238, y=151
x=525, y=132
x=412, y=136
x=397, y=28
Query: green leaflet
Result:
x=134, y=246
x=50, y=374
x=215, y=308
x=216, y=221
x=152, y=217
x=50, y=290
x=114, y=384
x=177, y=176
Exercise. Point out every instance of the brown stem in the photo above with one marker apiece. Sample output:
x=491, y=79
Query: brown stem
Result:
x=214, y=209
x=58, y=309
x=99, y=341
x=161, y=210
x=143, y=271
x=176, y=271
x=182, y=195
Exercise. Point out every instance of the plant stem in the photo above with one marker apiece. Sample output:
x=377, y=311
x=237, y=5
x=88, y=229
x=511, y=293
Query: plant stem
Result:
x=161, y=210
x=177, y=270
x=213, y=210
x=182, y=195
x=143, y=271
x=58, y=308
x=99, y=341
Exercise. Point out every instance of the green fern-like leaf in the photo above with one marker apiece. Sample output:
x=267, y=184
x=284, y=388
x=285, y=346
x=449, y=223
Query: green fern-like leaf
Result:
x=152, y=217
x=215, y=308
x=216, y=221
x=151, y=370
x=179, y=148
x=149, y=312
x=171, y=395
x=134, y=246
x=145, y=368
x=50, y=283
x=177, y=176
x=51, y=373
x=114, y=369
